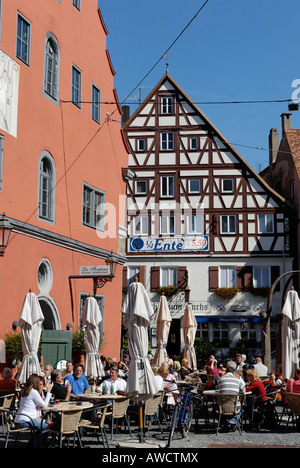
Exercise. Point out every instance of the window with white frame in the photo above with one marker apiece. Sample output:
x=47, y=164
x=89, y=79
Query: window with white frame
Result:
x=140, y=225
x=51, y=68
x=141, y=144
x=93, y=207
x=248, y=331
x=194, y=185
x=195, y=224
x=202, y=330
x=76, y=86
x=167, y=186
x=227, y=185
x=167, y=224
x=23, y=39
x=220, y=331
x=167, y=105
x=141, y=187
x=167, y=141
x=193, y=143
x=132, y=273
x=96, y=103
x=227, y=277
x=228, y=224
x=46, y=189
x=265, y=223
x=168, y=276
x=261, y=277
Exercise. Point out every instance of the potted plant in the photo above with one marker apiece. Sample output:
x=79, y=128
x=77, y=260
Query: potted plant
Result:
x=227, y=293
x=13, y=347
x=78, y=346
x=168, y=291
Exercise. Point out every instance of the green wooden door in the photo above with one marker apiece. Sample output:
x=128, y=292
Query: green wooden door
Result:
x=56, y=345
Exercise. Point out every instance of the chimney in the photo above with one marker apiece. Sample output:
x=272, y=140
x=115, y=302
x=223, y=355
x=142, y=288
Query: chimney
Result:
x=286, y=121
x=125, y=114
x=273, y=145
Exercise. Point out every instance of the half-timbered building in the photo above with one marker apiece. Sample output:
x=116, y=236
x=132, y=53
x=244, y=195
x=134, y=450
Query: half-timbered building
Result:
x=200, y=219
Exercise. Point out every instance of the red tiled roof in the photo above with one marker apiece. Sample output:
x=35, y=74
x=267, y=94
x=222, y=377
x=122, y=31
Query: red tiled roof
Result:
x=293, y=139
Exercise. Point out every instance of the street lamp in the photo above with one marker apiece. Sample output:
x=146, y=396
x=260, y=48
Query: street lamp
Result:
x=112, y=261
x=5, y=231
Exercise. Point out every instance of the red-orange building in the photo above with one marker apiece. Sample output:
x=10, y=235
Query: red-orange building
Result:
x=61, y=156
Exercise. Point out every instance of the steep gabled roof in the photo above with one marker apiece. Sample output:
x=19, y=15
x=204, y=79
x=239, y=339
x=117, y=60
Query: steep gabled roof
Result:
x=293, y=140
x=168, y=77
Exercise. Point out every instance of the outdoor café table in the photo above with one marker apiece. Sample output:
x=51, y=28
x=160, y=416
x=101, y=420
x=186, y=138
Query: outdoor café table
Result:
x=99, y=397
x=64, y=406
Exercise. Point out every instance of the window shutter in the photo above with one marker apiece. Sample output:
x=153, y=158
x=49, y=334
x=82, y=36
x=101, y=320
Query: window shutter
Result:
x=182, y=278
x=124, y=277
x=244, y=278
x=142, y=275
x=275, y=273
x=155, y=278
x=213, y=278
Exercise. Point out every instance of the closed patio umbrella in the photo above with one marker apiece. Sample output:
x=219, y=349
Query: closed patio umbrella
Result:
x=163, y=322
x=141, y=383
x=91, y=318
x=189, y=327
x=31, y=319
x=290, y=334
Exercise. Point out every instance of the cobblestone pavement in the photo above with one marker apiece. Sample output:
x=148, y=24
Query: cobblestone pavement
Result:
x=199, y=437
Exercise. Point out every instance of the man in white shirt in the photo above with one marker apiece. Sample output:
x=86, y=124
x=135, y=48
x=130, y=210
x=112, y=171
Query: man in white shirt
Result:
x=114, y=384
x=262, y=370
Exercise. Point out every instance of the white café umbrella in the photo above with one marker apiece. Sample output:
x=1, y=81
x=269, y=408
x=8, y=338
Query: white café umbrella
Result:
x=163, y=322
x=30, y=321
x=141, y=383
x=290, y=334
x=189, y=327
x=91, y=318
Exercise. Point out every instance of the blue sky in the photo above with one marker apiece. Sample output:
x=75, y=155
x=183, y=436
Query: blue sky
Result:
x=234, y=50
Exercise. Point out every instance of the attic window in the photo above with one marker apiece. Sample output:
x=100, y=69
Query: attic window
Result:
x=167, y=105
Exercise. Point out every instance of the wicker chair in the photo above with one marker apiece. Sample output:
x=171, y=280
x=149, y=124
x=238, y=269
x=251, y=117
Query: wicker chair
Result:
x=96, y=424
x=8, y=418
x=152, y=407
x=119, y=411
x=228, y=406
x=7, y=402
x=293, y=400
x=69, y=424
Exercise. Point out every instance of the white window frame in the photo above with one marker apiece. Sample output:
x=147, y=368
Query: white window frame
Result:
x=93, y=214
x=169, y=221
x=263, y=223
x=141, y=145
x=143, y=220
x=23, y=39
x=46, y=189
x=194, y=143
x=224, y=190
x=96, y=103
x=227, y=277
x=169, y=191
x=76, y=87
x=166, y=104
x=51, y=68
x=189, y=185
x=143, y=191
x=228, y=230
x=168, y=276
x=167, y=141
x=195, y=224
x=132, y=272
x=258, y=278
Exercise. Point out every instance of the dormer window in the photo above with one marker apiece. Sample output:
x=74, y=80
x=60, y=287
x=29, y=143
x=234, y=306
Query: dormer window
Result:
x=167, y=105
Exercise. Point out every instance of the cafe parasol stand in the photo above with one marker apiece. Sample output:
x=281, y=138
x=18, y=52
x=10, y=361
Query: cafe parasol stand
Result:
x=141, y=383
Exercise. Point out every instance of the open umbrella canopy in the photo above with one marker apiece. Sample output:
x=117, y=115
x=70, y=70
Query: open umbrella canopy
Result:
x=91, y=319
x=163, y=322
x=137, y=309
x=189, y=327
x=31, y=319
x=290, y=334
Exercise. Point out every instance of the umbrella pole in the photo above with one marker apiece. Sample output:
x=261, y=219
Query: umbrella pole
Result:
x=141, y=428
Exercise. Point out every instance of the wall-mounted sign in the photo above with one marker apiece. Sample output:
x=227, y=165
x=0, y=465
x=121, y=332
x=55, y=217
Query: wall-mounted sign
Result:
x=168, y=244
x=97, y=270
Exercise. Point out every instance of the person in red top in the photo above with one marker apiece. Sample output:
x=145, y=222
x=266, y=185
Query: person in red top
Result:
x=7, y=383
x=256, y=386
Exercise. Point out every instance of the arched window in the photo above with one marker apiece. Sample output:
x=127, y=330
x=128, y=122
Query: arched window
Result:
x=46, y=189
x=51, y=68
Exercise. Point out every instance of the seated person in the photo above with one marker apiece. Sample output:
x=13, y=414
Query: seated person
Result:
x=170, y=385
x=114, y=384
x=185, y=370
x=158, y=378
x=7, y=383
x=59, y=391
x=231, y=383
x=293, y=384
x=78, y=381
